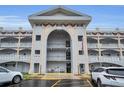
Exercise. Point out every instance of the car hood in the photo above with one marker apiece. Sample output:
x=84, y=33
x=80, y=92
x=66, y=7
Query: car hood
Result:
x=16, y=72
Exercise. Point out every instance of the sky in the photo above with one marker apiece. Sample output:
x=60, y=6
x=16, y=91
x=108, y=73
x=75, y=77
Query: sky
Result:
x=14, y=16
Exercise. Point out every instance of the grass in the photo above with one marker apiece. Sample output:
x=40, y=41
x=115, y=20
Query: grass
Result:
x=26, y=76
x=31, y=76
x=86, y=76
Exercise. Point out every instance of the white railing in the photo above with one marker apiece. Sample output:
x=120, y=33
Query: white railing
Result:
x=109, y=45
x=8, y=45
x=122, y=45
x=7, y=58
x=113, y=59
x=25, y=44
x=15, y=45
x=56, y=58
x=56, y=45
x=93, y=58
x=92, y=46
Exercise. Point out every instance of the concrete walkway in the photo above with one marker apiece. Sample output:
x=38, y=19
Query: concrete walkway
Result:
x=57, y=76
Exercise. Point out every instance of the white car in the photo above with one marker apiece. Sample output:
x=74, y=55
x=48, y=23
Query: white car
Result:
x=9, y=76
x=108, y=76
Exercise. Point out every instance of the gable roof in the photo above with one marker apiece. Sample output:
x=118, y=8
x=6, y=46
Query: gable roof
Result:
x=59, y=15
x=62, y=9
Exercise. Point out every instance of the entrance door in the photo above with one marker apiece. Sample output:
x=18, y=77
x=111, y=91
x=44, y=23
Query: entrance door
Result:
x=68, y=67
x=81, y=68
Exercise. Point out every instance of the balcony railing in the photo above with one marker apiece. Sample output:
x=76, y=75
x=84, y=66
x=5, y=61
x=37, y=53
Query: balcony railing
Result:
x=56, y=58
x=109, y=45
x=8, y=45
x=25, y=44
x=14, y=45
x=107, y=59
x=56, y=45
x=92, y=46
x=122, y=45
x=6, y=58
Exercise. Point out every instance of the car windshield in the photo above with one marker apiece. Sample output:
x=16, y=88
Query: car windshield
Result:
x=116, y=71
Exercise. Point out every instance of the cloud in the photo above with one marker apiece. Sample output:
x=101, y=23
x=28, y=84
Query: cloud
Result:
x=14, y=21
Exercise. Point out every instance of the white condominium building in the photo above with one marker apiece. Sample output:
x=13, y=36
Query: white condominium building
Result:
x=60, y=42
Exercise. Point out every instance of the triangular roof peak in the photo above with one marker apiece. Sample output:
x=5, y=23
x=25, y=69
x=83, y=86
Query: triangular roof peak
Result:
x=59, y=15
x=59, y=10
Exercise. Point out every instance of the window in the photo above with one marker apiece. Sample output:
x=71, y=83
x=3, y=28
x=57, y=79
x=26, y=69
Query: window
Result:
x=99, y=70
x=37, y=51
x=68, y=55
x=80, y=38
x=2, y=70
x=67, y=43
x=38, y=37
x=80, y=52
x=115, y=71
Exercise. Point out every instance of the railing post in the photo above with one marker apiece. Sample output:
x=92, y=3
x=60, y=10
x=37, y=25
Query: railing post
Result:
x=120, y=48
x=18, y=47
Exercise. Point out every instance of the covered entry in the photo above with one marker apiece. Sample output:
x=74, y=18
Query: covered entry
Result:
x=58, y=52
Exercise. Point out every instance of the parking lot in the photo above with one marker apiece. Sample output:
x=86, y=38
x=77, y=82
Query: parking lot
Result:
x=52, y=83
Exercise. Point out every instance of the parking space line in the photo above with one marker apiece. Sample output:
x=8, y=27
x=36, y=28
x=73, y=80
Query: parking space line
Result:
x=89, y=83
x=67, y=83
x=56, y=83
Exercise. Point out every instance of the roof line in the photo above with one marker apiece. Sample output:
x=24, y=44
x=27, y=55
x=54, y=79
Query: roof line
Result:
x=59, y=6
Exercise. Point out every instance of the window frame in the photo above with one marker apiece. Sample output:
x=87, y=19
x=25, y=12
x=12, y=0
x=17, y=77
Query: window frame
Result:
x=37, y=52
x=4, y=70
x=80, y=52
x=38, y=37
x=80, y=37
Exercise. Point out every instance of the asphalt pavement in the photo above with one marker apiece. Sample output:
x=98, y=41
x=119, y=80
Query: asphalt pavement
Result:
x=51, y=83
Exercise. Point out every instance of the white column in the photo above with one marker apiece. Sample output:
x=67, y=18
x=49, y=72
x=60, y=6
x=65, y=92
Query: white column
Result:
x=120, y=48
x=99, y=50
x=43, y=56
x=74, y=50
x=31, y=69
x=85, y=50
x=18, y=46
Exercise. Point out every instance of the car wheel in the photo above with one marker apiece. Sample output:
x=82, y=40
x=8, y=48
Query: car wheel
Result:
x=16, y=79
x=99, y=83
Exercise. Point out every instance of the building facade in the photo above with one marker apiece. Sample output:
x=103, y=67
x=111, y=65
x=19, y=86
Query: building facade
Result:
x=60, y=42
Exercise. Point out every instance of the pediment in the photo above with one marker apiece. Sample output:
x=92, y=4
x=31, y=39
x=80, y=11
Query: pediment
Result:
x=59, y=11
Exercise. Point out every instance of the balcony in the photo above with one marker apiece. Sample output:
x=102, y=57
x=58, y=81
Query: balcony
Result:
x=25, y=45
x=8, y=45
x=107, y=59
x=92, y=46
x=109, y=45
x=57, y=58
x=8, y=58
x=57, y=45
x=93, y=58
x=122, y=45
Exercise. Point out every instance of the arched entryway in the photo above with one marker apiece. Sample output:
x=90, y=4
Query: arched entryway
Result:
x=58, y=52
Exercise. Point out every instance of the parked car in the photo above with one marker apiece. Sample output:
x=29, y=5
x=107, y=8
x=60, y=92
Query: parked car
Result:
x=10, y=76
x=108, y=76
